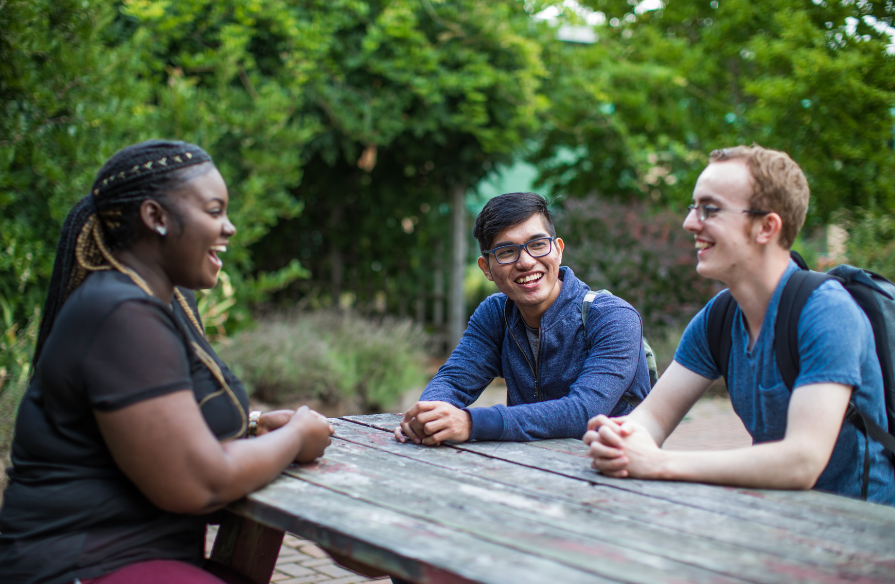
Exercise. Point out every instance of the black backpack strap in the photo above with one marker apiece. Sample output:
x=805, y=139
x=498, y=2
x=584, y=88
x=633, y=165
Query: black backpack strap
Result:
x=857, y=418
x=798, y=259
x=720, y=325
x=868, y=427
x=786, y=330
x=875, y=430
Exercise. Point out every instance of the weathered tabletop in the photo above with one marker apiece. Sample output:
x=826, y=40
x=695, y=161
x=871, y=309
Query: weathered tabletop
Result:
x=536, y=512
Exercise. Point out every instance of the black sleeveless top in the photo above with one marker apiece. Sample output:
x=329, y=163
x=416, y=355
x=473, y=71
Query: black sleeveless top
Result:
x=68, y=511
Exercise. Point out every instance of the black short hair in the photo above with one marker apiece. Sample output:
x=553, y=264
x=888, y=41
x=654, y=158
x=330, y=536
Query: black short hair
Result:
x=504, y=211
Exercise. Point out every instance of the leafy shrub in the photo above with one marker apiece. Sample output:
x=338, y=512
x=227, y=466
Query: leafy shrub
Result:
x=16, y=348
x=637, y=253
x=331, y=356
x=871, y=241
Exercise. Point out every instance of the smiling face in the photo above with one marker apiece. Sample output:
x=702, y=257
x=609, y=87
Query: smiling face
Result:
x=532, y=283
x=724, y=241
x=191, y=249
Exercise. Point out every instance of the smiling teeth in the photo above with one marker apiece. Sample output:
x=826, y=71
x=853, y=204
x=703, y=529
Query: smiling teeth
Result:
x=703, y=244
x=219, y=248
x=527, y=279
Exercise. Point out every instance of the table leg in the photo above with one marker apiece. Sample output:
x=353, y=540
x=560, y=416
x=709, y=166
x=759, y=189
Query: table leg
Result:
x=247, y=547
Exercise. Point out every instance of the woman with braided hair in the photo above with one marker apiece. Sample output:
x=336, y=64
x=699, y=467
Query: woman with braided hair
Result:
x=132, y=430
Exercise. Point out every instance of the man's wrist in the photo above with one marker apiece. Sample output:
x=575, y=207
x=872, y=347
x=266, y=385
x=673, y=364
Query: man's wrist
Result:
x=664, y=466
x=468, y=423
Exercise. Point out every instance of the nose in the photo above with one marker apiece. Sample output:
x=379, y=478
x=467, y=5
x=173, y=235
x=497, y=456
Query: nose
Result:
x=525, y=260
x=692, y=222
x=229, y=229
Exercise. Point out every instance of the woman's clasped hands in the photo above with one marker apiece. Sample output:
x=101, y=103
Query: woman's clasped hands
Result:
x=314, y=430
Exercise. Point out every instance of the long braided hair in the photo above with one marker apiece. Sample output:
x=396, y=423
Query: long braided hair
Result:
x=108, y=218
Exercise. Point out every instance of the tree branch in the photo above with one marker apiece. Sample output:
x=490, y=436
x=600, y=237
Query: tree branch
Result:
x=246, y=82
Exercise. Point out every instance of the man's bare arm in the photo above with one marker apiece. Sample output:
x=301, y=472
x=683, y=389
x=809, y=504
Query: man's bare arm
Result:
x=814, y=419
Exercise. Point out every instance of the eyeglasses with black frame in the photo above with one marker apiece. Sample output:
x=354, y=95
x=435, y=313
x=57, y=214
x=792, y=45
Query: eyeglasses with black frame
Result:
x=704, y=212
x=509, y=254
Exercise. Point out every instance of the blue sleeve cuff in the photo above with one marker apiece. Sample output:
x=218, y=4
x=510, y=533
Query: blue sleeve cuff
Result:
x=487, y=423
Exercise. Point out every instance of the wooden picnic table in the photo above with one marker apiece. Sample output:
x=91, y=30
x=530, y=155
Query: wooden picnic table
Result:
x=509, y=512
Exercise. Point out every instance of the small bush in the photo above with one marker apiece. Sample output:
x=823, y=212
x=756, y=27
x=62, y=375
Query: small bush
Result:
x=871, y=241
x=329, y=356
x=16, y=348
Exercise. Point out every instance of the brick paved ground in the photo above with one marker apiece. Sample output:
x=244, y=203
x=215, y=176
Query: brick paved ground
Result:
x=302, y=562
x=710, y=425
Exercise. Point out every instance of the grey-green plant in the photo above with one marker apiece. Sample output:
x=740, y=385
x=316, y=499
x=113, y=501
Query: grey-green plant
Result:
x=330, y=356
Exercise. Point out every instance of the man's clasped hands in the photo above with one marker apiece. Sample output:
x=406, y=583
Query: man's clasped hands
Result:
x=432, y=422
x=621, y=447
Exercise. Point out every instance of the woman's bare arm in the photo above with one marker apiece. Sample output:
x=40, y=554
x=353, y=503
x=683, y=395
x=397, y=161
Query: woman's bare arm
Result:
x=165, y=447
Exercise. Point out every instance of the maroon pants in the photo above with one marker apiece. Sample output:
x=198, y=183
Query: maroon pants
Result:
x=170, y=571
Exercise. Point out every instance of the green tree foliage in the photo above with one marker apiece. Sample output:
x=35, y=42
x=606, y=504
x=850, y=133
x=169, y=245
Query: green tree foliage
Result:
x=67, y=103
x=286, y=96
x=871, y=240
x=82, y=79
x=344, y=126
x=641, y=109
x=415, y=98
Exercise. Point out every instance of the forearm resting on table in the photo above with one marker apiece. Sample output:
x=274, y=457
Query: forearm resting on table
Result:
x=166, y=448
x=772, y=465
x=814, y=419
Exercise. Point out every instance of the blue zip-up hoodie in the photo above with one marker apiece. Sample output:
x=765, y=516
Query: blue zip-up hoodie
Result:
x=579, y=374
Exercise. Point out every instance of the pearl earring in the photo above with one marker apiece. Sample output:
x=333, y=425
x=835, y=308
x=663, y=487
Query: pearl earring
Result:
x=162, y=231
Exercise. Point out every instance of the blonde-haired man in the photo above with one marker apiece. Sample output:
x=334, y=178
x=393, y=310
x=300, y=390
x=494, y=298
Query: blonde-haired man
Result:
x=748, y=207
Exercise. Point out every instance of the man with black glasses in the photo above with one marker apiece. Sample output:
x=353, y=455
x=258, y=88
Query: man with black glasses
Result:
x=559, y=372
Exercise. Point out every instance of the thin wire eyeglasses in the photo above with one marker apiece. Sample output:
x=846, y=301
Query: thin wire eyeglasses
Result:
x=704, y=212
x=509, y=254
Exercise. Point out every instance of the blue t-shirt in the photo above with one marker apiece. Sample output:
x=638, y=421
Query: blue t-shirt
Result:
x=835, y=346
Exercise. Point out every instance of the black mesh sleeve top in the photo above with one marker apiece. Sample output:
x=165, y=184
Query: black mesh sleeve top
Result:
x=68, y=511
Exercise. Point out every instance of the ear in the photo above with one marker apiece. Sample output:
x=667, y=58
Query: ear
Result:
x=483, y=265
x=154, y=217
x=560, y=247
x=768, y=229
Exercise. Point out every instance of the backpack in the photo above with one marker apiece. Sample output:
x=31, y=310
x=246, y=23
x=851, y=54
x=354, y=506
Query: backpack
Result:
x=650, y=356
x=876, y=297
